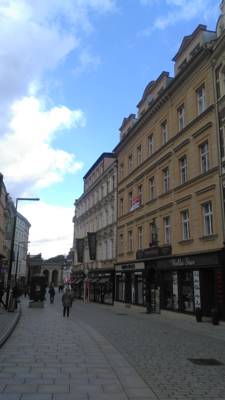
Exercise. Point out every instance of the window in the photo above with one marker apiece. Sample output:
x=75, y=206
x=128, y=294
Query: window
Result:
x=121, y=171
x=201, y=99
x=207, y=218
x=153, y=233
x=166, y=179
x=185, y=225
x=150, y=145
x=183, y=169
x=218, y=89
x=180, y=114
x=121, y=206
x=130, y=163
x=167, y=230
x=130, y=195
x=140, y=193
x=130, y=241
x=121, y=243
x=152, y=189
x=164, y=130
x=140, y=237
x=139, y=155
x=204, y=157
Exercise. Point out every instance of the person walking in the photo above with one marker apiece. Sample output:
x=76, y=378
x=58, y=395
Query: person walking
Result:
x=67, y=302
x=51, y=294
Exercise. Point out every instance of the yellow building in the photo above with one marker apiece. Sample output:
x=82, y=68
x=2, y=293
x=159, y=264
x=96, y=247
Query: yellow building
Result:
x=170, y=233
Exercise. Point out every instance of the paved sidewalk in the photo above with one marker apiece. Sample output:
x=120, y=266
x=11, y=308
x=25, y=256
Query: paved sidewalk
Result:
x=49, y=357
x=8, y=322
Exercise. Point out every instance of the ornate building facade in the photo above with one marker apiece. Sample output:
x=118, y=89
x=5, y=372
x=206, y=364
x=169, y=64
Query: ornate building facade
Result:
x=95, y=221
x=170, y=194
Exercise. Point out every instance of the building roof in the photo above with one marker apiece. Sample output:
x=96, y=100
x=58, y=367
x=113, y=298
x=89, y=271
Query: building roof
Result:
x=102, y=156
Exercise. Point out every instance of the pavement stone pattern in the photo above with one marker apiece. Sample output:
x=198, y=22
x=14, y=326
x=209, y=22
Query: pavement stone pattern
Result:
x=51, y=357
x=159, y=348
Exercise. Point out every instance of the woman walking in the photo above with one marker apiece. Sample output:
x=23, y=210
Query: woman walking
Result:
x=67, y=302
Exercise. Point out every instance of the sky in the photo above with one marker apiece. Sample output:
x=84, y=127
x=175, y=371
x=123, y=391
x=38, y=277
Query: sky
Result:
x=70, y=71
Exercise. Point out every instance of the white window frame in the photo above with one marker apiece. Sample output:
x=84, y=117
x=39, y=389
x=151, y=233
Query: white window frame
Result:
x=201, y=99
x=185, y=224
x=204, y=156
x=121, y=243
x=183, y=169
x=150, y=144
x=207, y=218
x=167, y=229
x=180, y=113
x=164, y=130
x=166, y=180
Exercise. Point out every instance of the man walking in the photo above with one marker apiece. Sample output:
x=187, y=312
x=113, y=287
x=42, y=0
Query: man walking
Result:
x=51, y=294
x=67, y=302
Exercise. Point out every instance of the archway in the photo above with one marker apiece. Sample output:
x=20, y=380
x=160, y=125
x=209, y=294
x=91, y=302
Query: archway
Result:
x=55, y=277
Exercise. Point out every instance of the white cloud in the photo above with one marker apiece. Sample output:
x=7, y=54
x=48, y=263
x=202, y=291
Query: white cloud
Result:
x=179, y=10
x=51, y=231
x=86, y=60
x=27, y=155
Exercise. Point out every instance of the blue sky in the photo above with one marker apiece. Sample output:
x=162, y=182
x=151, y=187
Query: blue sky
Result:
x=70, y=71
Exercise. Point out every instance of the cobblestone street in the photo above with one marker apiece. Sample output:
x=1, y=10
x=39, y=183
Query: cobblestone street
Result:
x=110, y=353
x=160, y=346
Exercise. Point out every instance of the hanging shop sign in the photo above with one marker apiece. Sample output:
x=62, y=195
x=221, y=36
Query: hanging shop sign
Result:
x=80, y=249
x=92, y=245
x=136, y=202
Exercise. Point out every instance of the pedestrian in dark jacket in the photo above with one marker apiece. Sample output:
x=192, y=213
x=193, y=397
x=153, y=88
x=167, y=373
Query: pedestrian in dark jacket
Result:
x=67, y=302
x=51, y=294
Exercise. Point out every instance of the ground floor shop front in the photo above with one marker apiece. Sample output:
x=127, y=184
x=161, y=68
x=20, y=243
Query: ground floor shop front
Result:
x=177, y=283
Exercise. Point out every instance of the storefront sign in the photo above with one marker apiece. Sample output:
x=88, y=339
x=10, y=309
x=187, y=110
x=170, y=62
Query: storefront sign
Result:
x=155, y=251
x=130, y=267
x=197, y=295
x=182, y=262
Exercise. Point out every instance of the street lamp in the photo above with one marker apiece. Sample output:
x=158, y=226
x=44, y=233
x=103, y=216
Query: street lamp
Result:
x=11, y=257
x=17, y=258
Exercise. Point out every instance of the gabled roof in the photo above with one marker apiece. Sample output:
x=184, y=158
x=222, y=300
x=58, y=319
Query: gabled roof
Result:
x=188, y=39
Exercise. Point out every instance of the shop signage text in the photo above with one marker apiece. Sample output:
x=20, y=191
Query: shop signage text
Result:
x=182, y=262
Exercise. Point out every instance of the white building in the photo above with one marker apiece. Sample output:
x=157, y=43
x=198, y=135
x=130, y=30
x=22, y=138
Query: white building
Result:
x=95, y=217
x=19, y=267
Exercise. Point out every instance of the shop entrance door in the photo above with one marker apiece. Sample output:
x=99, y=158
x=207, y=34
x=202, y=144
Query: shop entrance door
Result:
x=207, y=281
x=128, y=288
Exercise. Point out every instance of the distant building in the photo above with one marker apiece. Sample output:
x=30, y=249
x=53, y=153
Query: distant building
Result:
x=3, y=247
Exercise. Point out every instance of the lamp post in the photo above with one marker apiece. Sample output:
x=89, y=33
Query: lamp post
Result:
x=11, y=257
x=17, y=258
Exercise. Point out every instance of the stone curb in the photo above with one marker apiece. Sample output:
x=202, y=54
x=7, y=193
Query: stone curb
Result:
x=11, y=327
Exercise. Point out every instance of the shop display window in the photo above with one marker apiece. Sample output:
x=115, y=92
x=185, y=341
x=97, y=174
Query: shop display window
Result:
x=187, y=295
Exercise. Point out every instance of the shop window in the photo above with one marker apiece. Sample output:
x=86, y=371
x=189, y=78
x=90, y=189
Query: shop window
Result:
x=207, y=218
x=187, y=291
x=204, y=157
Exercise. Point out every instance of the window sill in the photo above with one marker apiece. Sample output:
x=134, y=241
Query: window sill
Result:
x=208, y=237
x=188, y=241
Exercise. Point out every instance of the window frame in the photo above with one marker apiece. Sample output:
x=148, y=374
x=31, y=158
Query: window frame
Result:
x=130, y=240
x=151, y=144
x=185, y=215
x=167, y=229
x=181, y=117
x=201, y=100
x=139, y=155
x=204, y=157
x=207, y=218
x=152, y=188
x=140, y=237
x=183, y=169
x=166, y=180
x=164, y=132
